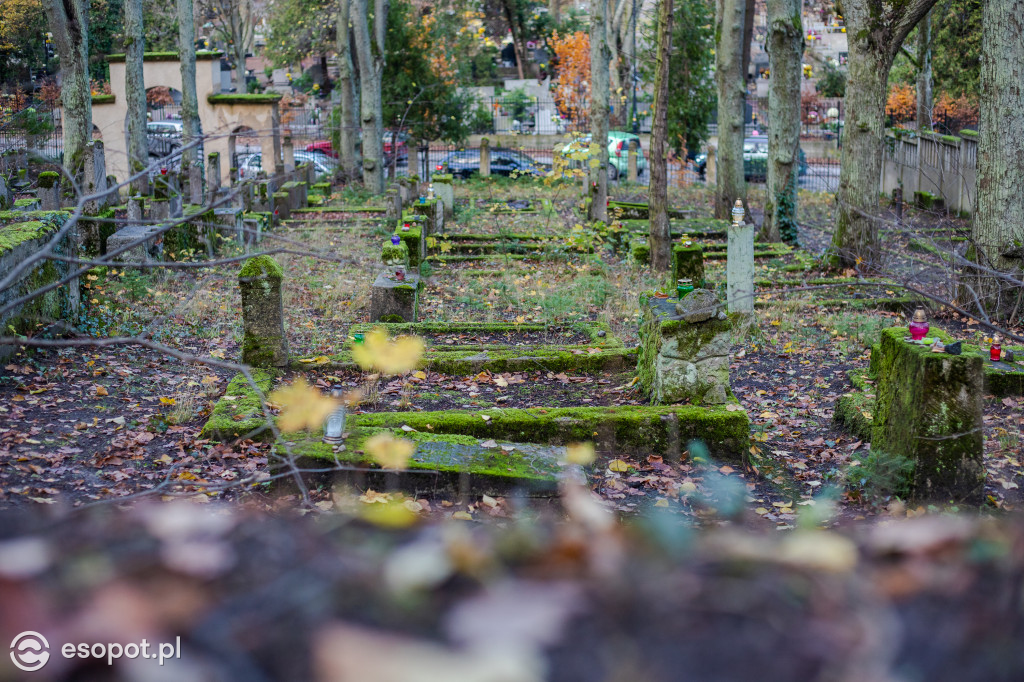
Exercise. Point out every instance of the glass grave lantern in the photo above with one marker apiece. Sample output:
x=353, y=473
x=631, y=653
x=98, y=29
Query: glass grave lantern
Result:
x=919, y=325
x=995, y=352
x=334, y=427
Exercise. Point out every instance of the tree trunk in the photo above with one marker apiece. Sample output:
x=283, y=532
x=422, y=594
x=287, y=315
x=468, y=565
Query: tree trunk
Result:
x=189, y=101
x=730, y=184
x=69, y=23
x=748, y=36
x=510, y=17
x=658, y=192
x=924, y=73
x=875, y=35
x=997, y=226
x=599, y=58
x=347, y=132
x=135, y=96
x=370, y=48
x=785, y=51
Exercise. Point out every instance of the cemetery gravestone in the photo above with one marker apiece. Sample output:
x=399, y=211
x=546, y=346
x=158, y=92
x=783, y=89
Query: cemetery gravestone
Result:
x=739, y=266
x=263, y=339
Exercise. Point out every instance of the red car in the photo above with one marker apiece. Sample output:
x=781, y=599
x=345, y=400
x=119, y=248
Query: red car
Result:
x=324, y=147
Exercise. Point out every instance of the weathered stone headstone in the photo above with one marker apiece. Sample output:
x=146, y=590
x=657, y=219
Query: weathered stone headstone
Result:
x=49, y=191
x=212, y=176
x=392, y=206
x=414, y=163
x=684, y=349
x=392, y=300
x=928, y=409
x=485, y=158
x=195, y=184
x=739, y=268
x=445, y=192
x=282, y=205
x=631, y=162
x=263, y=340
x=288, y=150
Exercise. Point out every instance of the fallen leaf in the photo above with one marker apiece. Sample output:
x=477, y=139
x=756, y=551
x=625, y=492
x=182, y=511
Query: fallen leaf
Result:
x=101, y=391
x=580, y=453
x=302, y=406
x=390, y=452
x=618, y=466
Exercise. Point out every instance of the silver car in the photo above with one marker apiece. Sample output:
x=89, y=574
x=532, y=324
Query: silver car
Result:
x=252, y=165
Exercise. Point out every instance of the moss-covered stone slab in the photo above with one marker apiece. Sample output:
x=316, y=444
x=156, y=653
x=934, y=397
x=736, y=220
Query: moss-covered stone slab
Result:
x=1002, y=379
x=239, y=412
x=443, y=462
x=929, y=410
x=392, y=300
x=411, y=234
x=855, y=408
x=688, y=263
x=665, y=431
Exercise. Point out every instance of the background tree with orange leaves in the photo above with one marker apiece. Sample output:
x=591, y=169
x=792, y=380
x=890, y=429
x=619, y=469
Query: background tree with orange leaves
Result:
x=571, y=82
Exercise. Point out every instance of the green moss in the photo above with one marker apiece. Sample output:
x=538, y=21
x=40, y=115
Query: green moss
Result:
x=688, y=263
x=103, y=99
x=929, y=410
x=18, y=233
x=854, y=409
x=26, y=203
x=446, y=178
x=48, y=179
x=168, y=56
x=640, y=251
x=636, y=428
x=323, y=188
x=243, y=98
x=969, y=134
x=261, y=266
x=394, y=254
x=240, y=411
x=411, y=240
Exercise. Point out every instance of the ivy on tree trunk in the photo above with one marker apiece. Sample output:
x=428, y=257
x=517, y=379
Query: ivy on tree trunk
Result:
x=135, y=96
x=600, y=55
x=876, y=31
x=785, y=51
x=730, y=185
x=658, y=191
x=69, y=23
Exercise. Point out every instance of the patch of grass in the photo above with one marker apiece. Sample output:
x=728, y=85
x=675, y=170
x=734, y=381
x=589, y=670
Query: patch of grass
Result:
x=878, y=476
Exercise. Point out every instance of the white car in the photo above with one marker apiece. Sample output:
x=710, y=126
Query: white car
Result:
x=250, y=166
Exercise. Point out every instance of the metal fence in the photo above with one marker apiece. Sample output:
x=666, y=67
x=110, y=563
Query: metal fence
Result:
x=44, y=138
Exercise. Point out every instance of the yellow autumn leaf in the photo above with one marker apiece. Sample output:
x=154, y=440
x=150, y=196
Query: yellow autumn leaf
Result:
x=101, y=391
x=580, y=453
x=389, y=514
x=419, y=375
x=389, y=356
x=302, y=406
x=661, y=503
x=318, y=359
x=618, y=466
x=168, y=401
x=217, y=353
x=388, y=451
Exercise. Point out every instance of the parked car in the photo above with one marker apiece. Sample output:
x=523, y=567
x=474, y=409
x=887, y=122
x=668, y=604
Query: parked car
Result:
x=251, y=165
x=465, y=163
x=163, y=137
x=618, y=153
x=755, y=160
x=325, y=147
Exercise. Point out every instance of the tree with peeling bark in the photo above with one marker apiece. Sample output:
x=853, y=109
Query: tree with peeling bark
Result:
x=876, y=31
x=190, y=127
x=370, y=51
x=69, y=23
x=732, y=90
x=135, y=94
x=998, y=229
x=660, y=239
x=346, y=118
x=785, y=51
x=600, y=55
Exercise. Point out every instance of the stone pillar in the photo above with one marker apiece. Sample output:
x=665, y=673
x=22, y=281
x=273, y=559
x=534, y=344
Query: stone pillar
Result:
x=195, y=184
x=631, y=161
x=212, y=176
x=392, y=300
x=414, y=161
x=136, y=206
x=739, y=268
x=289, y=154
x=485, y=158
x=95, y=176
x=445, y=193
x=711, y=167
x=392, y=206
x=49, y=191
x=688, y=263
x=245, y=196
x=6, y=198
x=684, y=356
x=928, y=409
x=263, y=340
x=282, y=205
